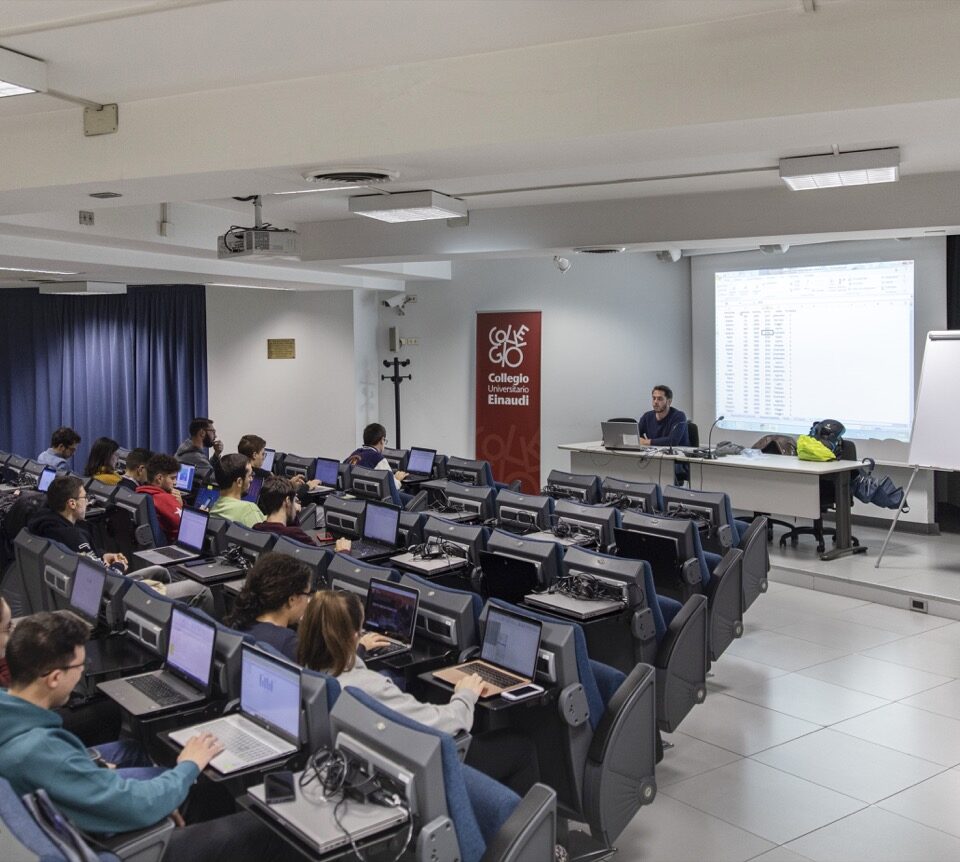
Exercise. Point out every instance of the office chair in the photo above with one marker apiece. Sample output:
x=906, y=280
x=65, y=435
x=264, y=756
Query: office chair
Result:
x=775, y=444
x=828, y=502
x=622, y=419
x=693, y=433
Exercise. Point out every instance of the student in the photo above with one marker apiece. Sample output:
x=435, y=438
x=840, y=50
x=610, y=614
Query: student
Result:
x=370, y=454
x=193, y=450
x=279, y=502
x=254, y=448
x=46, y=655
x=102, y=461
x=664, y=425
x=274, y=597
x=235, y=475
x=63, y=521
x=135, y=471
x=162, y=473
x=6, y=628
x=330, y=633
x=63, y=443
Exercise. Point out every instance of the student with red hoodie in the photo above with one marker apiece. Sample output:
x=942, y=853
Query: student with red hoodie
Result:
x=162, y=473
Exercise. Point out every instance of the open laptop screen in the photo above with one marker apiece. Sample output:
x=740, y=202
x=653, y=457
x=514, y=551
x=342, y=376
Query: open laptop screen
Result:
x=381, y=522
x=391, y=610
x=206, y=497
x=270, y=691
x=46, y=477
x=511, y=642
x=326, y=471
x=190, y=647
x=268, y=456
x=185, y=477
x=87, y=592
x=193, y=527
x=420, y=461
x=253, y=492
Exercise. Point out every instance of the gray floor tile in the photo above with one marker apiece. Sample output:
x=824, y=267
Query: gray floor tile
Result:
x=913, y=731
x=893, y=619
x=688, y=757
x=734, y=673
x=934, y=803
x=919, y=651
x=944, y=699
x=872, y=676
x=780, y=854
x=840, y=634
x=763, y=800
x=742, y=727
x=778, y=650
x=810, y=699
x=854, y=767
x=875, y=835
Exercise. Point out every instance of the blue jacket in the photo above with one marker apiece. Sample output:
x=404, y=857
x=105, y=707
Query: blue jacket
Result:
x=366, y=456
x=672, y=431
x=35, y=751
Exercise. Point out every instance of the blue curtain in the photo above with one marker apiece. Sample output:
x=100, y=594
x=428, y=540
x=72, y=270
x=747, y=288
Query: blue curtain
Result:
x=132, y=367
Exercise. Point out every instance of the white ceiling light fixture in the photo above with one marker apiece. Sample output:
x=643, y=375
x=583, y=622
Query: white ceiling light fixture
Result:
x=20, y=74
x=37, y=271
x=408, y=206
x=83, y=288
x=248, y=286
x=843, y=169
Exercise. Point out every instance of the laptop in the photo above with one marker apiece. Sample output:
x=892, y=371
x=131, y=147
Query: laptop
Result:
x=325, y=825
x=508, y=578
x=391, y=611
x=189, y=545
x=268, y=723
x=573, y=606
x=185, y=477
x=206, y=497
x=46, y=477
x=268, y=456
x=326, y=472
x=621, y=435
x=253, y=492
x=508, y=656
x=381, y=531
x=186, y=674
x=420, y=464
x=86, y=595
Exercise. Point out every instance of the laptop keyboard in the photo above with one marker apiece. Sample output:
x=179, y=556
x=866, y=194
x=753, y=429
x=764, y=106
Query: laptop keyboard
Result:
x=171, y=553
x=157, y=690
x=242, y=745
x=380, y=652
x=488, y=674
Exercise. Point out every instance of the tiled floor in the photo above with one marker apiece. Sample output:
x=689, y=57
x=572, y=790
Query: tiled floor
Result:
x=831, y=731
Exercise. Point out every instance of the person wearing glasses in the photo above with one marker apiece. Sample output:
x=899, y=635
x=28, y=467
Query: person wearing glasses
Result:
x=46, y=655
x=370, y=454
x=63, y=521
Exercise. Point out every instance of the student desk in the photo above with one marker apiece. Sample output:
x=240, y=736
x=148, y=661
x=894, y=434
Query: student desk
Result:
x=778, y=484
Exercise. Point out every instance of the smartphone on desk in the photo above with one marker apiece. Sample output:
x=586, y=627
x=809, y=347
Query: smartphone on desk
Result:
x=531, y=689
x=278, y=787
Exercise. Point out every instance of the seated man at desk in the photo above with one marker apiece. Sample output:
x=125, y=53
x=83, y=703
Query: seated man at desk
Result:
x=279, y=501
x=370, y=454
x=63, y=443
x=135, y=471
x=203, y=436
x=46, y=657
x=161, y=482
x=236, y=474
x=664, y=425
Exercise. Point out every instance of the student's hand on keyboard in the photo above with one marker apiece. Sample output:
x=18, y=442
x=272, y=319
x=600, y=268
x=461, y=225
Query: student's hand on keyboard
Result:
x=297, y=481
x=342, y=545
x=371, y=641
x=470, y=683
x=400, y=475
x=314, y=484
x=116, y=560
x=201, y=749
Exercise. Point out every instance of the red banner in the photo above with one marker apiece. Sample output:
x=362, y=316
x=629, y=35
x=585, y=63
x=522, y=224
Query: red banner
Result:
x=508, y=395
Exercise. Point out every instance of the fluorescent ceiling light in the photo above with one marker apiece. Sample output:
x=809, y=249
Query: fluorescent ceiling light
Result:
x=20, y=74
x=83, y=288
x=408, y=206
x=40, y=271
x=247, y=286
x=845, y=169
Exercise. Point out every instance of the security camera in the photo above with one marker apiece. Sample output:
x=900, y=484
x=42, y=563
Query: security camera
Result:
x=398, y=302
x=669, y=255
x=561, y=263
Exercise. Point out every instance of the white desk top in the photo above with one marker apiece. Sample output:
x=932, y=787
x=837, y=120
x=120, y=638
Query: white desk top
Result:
x=777, y=463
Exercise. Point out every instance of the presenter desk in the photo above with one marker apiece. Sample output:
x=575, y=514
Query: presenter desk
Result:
x=778, y=484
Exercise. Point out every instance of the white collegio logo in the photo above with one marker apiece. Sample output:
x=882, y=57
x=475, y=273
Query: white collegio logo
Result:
x=507, y=346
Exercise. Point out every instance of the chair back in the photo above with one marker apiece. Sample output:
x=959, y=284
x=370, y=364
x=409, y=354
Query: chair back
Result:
x=693, y=434
x=28, y=552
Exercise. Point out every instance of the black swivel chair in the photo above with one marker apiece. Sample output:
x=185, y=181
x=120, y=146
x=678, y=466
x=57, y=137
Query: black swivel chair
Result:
x=693, y=433
x=848, y=452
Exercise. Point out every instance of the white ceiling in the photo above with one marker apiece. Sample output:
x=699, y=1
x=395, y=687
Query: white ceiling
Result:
x=224, y=97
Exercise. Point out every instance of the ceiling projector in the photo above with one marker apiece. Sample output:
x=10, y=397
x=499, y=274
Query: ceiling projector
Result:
x=258, y=243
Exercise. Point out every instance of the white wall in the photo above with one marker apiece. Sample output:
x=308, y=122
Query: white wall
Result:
x=305, y=405
x=366, y=364
x=613, y=327
x=930, y=310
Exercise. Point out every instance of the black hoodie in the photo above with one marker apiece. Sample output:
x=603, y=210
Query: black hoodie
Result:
x=51, y=525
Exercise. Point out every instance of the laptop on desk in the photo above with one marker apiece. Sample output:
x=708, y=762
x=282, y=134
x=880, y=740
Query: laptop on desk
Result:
x=391, y=611
x=184, y=480
x=268, y=723
x=86, y=594
x=621, y=435
x=508, y=657
x=326, y=472
x=46, y=477
x=574, y=607
x=419, y=465
x=381, y=532
x=189, y=546
x=253, y=492
x=185, y=678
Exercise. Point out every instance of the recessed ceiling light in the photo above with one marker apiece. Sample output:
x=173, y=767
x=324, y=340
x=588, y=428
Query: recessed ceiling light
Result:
x=844, y=169
x=20, y=74
x=38, y=271
x=247, y=286
x=105, y=195
x=408, y=206
x=599, y=249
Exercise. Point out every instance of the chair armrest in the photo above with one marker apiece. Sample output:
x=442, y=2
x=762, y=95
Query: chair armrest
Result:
x=144, y=536
x=530, y=832
x=515, y=485
x=691, y=572
x=418, y=503
x=142, y=845
x=644, y=632
x=462, y=740
x=725, y=535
